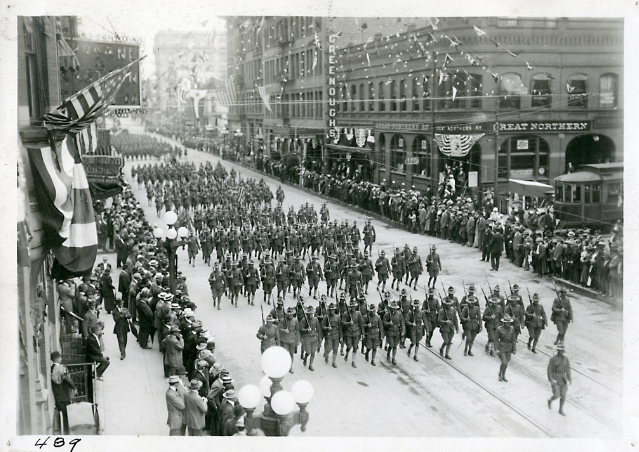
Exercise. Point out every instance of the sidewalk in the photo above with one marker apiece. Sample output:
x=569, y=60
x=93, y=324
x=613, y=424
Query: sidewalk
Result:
x=131, y=397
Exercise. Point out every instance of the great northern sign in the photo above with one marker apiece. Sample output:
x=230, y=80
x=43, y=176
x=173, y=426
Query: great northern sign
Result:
x=542, y=126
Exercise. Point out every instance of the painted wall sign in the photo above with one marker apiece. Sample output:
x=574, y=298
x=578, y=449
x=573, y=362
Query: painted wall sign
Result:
x=542, y=126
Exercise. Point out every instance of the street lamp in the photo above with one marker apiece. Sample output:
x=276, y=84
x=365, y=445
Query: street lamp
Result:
x=171, y=243
x=278, y=416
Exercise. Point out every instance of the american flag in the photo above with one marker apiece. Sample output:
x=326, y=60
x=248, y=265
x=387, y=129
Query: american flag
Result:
x=228, y=96
x=82, y=109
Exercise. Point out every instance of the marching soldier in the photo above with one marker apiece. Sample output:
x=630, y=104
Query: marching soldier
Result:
x=395, y=329
x=561, y=314
x=278, y=313
x=366, y=269
x=324, y=214
x=516, y=312
x=269, y=334
x=453, y=299
x=352, y=329
x=297, y=274
x=433, y=265
x=355, y=235
x=289, y=333
x=330, y=273
x=514, y=292
x=282, y=277
x=416, y=268
x=374, y=332
x=382, y=266
x=321, y=313
x=491, y=317
x=193, y=245
x=448, y=325
x=369, y=236
x=314, y=274
x=405, y=306
x=332, y=331
x=471, y=321
x=353, y=281
x=559, y=377
x=431, y=312
x=217, y=281
x=236, y=281
x=415, y=327
x=399, y=268
x=535, y=321
x=506, y=344
x=502, y=299
x=251, y=282
x=268, y=279
x=311, y=334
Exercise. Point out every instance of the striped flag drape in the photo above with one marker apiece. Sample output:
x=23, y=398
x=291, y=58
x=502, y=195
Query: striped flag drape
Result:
x=64, y=200
x=228, y=96
x=264, y=96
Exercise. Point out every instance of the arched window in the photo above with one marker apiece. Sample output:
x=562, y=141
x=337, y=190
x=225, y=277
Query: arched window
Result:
x=362, y=106
x=415, y=94
x=353, y=97
x=541, y=90
x=381, y=102
x=398, y=152
x=608, y=88
x=371, y=96
x=577, y=88
x=511, y=89
x=402, y=95
x=393, y=95
x=421, y=150
x=528, y=158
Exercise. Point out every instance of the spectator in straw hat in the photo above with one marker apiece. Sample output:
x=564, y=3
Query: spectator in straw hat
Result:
x=175, y=407
x=194, y=409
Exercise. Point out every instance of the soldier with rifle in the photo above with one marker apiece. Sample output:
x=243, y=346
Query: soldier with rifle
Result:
x=369, y=236
x=374, y=332
x=395, y=328
x=352, y=329
x=431, y=311
x=535, y=321
x=516, y=312
x=506, y=340
x=382, y=309
x=471, y=321
x=311, y=334
x=448, y=325
x=433, y=265
x=332, y=331
x=415, y=326
x=405, y=306
x=415, y=267
x=382, y=267
x=289, y=333
x=268, y=334
x=561, y=313
x=491, y=317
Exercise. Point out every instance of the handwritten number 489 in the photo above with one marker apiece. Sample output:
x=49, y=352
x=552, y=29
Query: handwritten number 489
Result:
x=58, y=442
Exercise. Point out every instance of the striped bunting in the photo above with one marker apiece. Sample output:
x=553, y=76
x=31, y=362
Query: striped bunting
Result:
x=456, y=145
x=64, y=200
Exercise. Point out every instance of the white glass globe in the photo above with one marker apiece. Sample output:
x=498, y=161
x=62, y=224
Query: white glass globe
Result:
x=302, y=391
x=183, y=232
x=283, y=403
x=265, y=386
x=249, y=396
x=158, y=233
x=171, y=233
x=170, y=217
x=276, y=362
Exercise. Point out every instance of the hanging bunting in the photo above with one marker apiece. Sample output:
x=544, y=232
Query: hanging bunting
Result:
x=479, y=31
x=454, y=93
x=360, y=137
x=456, y=145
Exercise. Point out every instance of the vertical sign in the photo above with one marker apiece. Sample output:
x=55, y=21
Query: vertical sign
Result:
x=333, y=131
x=472, y=179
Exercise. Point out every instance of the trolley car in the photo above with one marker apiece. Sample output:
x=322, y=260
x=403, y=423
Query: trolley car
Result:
x=593, y=195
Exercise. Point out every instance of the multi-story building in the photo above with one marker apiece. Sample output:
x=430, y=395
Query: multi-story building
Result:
x=501, y=98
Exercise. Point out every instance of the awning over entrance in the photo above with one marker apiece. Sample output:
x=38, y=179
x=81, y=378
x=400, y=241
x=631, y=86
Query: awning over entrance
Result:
x=529, y=188
x=349, y=149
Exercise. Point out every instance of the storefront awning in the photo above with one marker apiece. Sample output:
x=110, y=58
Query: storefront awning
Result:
x=351, y=149
x=529, y=188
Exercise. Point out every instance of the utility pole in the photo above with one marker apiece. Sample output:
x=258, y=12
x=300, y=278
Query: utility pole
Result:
x=433, y=171
x=495, y=195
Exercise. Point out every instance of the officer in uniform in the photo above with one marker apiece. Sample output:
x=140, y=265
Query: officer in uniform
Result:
x=268, y=279
x=352, y=328
x=282, y=277
x=369, y=236
x=559, y=377
x=431, y=310
x=492, y=314
x=395, y=329
x=269, y=334
x=374, y=332
x=516, y=312
x=415, y=267
x=535, y=321
x=332, y=331
x=217, y=281
x=561, y=314
x=399, y=268
x=251, y=282
x=415, y=327
x=448, y=325
x=433, y=265
x=366, y=269
x=297, y=274
x=471, y=321
x=382, y=267
x=506, y=340
x=311, y=334
x=314, y=274
x=289, y=333
x=236, y=281
x=330, y=274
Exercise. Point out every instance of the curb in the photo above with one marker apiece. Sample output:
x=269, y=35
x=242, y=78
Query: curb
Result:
x=579, y=289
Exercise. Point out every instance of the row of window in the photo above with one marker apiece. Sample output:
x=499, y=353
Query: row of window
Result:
x=591, y=193
x=297, y=65
x=251, y=70
x=464, y=91
x=290, y=28
x=306, y=104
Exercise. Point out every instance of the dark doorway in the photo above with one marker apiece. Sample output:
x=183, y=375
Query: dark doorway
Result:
x=586, y=149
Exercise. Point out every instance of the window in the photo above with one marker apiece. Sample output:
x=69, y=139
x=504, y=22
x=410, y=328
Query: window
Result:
x=381, y=102
x=576, y=194
x=608, y=87
x=380, y=154
x=344, y=98
x=613, y=192
x=415, y=93
x=559, y=193
x=303, y=105
x=421, y=151
x=541, y=90
x=362, y=104
x=318, y=109
x=474, y=91
x=577, y=87
x=353, y=97
x=425, y=95
x=528, y=157
x=596, y=193
x=402, y=95
x=511, y=90
x=393, y=95
x=371, y=96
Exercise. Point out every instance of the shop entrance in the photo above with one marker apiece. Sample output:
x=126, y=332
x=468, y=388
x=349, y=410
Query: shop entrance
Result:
x=586, y=149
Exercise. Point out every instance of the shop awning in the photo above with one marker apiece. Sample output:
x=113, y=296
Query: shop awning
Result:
x=347, y=149
x=529, y=188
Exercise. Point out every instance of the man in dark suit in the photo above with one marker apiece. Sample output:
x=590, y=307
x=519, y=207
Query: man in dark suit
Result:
x=175, y=406
x=496, y=247
x=61, y=385
x=121, y=329
x=124, y=282
x=194, y=409
x=94, y=354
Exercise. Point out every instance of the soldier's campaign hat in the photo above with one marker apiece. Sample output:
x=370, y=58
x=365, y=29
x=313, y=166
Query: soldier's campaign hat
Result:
x=382, y=253
x=174, y=379
x=472, y=299
x=560, y=346
x=309, y=309
x=290, y=311
x=515, y=287
x=415, y=303
x=394, y=305
x=447, y=300
x=280, y=300
x=507, y=319
x=414, y=249
x=174, y=329
x=195, y=384
x=431, y=291
x=471, y=288
x=372, y=307
x=513, y=298
x=361, y=297
x=201, y=346
x=451, y=289
x=331, y=306
x=404, y=292
x=496, y=289
x=494, y=300
x=535, y=297
x=563, y=289
x=353, y=303
x=269, y=318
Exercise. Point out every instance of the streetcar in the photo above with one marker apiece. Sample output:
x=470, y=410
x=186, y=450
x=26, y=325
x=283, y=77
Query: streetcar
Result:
x=591, y=196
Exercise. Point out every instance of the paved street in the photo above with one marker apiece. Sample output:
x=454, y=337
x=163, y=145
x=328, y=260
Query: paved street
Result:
x=432, y=397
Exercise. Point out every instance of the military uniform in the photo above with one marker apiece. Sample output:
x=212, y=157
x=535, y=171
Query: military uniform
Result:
x=416, y=268
x=332, y=332
x=311, y=334
x=415, y=327
x=382, y=267
x=448, y=326
x=431, y=311
x=395, y=328
x=471, y=322
x=561, y=314
x=374, y=332
x=352, y=329
x=535, y=321
x=506, y=340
